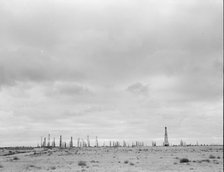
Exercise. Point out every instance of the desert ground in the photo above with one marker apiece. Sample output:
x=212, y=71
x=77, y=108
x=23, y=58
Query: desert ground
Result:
x=110, y=159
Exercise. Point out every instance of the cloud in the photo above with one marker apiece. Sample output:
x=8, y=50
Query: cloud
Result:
x=33, y=65
x=68, y=89
x=138, y=89
x=106, y=42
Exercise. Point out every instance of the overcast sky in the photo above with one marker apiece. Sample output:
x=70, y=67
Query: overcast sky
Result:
x=116, y=69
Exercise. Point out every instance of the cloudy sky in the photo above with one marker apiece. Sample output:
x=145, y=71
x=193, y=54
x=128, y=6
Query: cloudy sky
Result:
x=116, y=69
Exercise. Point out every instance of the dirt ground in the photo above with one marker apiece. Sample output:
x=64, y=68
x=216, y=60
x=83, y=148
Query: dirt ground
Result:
x=108, y=159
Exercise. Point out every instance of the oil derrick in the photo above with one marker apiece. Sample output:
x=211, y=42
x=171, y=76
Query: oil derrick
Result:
x=166, y=143
x=78, y=142
x=124, y=144
x=71, y=143
x=49, y=139
x=153, y=143
x=44, y=143
x=132, y=145
x=181, y=143
x=53, y=143
x=84, y=144
x=97, y=144
x=88, y=141
x=60, y=142
x=41, y=142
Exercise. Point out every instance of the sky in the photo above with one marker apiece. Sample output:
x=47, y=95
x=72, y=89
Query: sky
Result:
x=116, y=69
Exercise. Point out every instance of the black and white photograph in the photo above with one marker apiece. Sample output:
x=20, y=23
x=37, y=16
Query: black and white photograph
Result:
x=111, y=85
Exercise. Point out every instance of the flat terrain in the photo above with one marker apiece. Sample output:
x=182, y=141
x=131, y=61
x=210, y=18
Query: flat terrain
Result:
x=201, y=158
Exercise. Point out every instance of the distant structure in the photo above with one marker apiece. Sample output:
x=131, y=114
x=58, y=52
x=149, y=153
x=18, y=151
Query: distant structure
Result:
x=71, y=143
x=44, y=143
x=49, y=141
x=166, y=143
x=60, y=142
x=53, y=143
x=97, y=143
x=153, y=143
x=41, y=142
x=83, y=143
x=182, y=143
x=78, y=142
x=63, y=145
x=124, y=144
x=88, y=141
x=197, y=143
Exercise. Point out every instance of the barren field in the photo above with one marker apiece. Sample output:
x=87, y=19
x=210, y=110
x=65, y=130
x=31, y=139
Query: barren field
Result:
x=193, y=158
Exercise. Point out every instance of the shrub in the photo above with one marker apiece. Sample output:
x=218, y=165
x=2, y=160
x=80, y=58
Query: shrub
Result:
x=205, y=160
x=93, y=161
x=53, y=168
x=33, y=166
x=211, y=156
x=184, y=160
x=15, y=158
x=126, y=161
x=1, y=166
x=131, y=163
x=82, y=163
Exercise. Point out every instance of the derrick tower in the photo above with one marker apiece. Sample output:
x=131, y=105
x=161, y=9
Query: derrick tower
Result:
x=166, y=143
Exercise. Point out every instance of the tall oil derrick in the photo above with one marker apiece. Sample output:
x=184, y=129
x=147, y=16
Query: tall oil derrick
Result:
x=71, y=143
x=166, y=143
x=60, y=142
